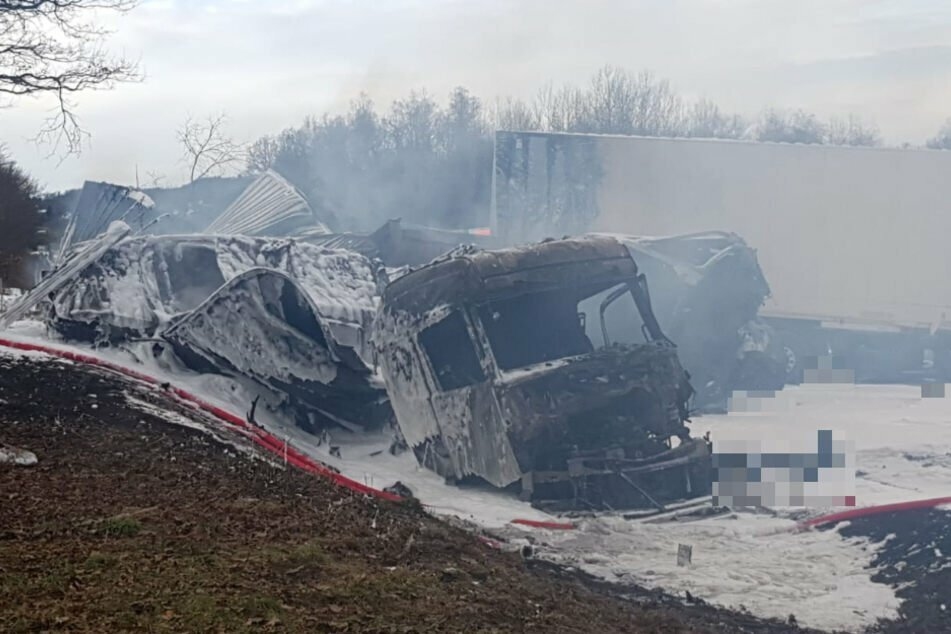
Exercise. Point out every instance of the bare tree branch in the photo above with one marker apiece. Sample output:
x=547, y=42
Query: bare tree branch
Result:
x=155, y=179
x=54, y=47
x=207, y=150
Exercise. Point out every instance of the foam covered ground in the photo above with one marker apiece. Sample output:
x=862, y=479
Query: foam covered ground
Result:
x=756, y=561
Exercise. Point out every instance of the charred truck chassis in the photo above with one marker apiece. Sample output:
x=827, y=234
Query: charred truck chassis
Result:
x=495, y=371
x=707, y=289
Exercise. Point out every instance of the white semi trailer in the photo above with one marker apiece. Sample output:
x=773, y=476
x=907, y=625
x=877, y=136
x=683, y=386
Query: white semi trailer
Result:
x=853, y=241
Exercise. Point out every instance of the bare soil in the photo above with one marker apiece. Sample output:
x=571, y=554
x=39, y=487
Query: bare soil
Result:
x=914, y=562
x=129, y=524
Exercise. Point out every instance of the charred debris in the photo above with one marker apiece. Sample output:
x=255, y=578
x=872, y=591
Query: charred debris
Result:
x=278, y=313
x=500, y=365
x=550, y=369
x=707, y=289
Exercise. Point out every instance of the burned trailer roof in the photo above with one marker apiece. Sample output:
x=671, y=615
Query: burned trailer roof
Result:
x=100, y=204
x=269, y=206
x=477, y=277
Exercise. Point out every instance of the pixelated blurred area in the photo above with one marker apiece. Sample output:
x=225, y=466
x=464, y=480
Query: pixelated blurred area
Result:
x=759, y=401
x=789, y=472
x=831, y=369
x=932, y=390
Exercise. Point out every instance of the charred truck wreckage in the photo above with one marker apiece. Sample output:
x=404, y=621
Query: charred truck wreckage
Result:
x=288, y=316
x=501, y=365
x=707, y=290
x=539, y=369
x=277, y=313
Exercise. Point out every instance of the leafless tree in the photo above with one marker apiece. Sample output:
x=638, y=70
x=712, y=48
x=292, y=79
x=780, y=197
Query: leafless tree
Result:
x=262, y=154
x=706, y=120
x=782, y=126
x=942, y=140
x=851, y=130
x=207, y=149
x=613, y=100
x=563, y=110
x=463, y=120
x=547, y=109
x=413, y=122
x=658, y=109
x=515, y=114
x=155, y=179
x=55, y=47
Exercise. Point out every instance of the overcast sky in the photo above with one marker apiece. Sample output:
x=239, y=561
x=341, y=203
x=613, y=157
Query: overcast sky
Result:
x=269, y=63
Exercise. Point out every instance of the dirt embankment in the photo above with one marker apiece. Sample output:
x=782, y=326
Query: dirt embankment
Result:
x=128, y=523
x=913, y=560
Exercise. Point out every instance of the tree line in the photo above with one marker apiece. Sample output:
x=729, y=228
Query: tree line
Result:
x=20, y=222
x=419, y=161
x=431, y=163
x=616, y=101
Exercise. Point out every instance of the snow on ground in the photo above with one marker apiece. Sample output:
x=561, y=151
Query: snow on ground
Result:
x=902, y=440
x=750, y=561
x=902, y=444
x=363, y=458
x=757, y=561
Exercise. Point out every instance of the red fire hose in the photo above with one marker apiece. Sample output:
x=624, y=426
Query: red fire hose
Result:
x=275, y=446
x=866, y=511
x=259, y=436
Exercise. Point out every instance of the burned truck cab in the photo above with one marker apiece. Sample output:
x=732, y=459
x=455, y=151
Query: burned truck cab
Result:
x=500, y=365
